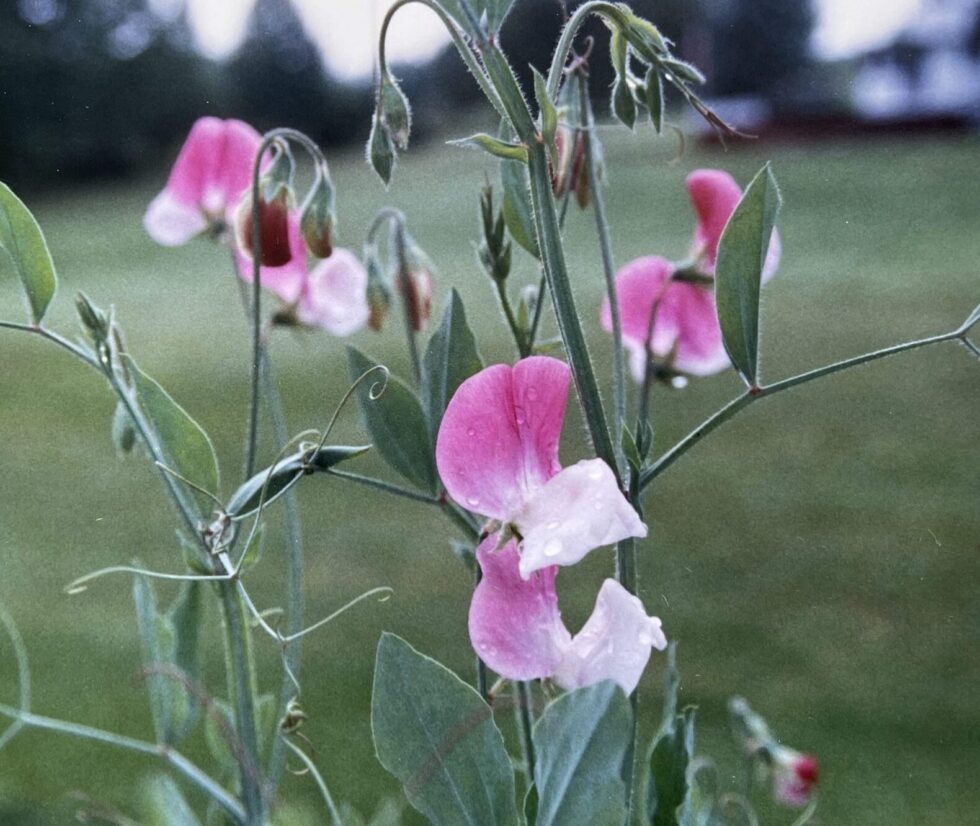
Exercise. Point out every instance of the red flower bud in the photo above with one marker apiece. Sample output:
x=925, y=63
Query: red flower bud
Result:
x=274, y=248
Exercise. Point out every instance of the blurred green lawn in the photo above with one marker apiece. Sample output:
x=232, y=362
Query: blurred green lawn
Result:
x=818, y=555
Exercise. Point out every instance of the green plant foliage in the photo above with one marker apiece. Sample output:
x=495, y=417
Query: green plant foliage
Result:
x=23, y=242
x=738, y=272
x=495, y=146
x=396, y=424
x=165, y=805
x=437, y=736
x=450, y=359
x=182, y=442
x=517, y=205
x=580, y=742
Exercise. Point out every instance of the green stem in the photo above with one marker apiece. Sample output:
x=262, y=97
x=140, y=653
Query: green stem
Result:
x=50, y=335
x=564, y=48
x=175, y=759
x=387, y=487
x=525, y=725
x=715, y=421
x=318, y=779
x=609, y=270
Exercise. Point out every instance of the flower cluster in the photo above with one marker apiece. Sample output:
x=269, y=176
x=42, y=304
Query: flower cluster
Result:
x=668, y=309
x=497, y=454
x=208, y=191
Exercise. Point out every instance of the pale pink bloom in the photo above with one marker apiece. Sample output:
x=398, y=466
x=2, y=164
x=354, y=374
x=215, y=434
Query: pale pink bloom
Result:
x=497, y=454
x=516, y=628
x=212, y=172
x=794, y=776
x=334, y=295
x=685, y=327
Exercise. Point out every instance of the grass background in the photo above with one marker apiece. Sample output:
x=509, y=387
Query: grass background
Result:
x=817, y=555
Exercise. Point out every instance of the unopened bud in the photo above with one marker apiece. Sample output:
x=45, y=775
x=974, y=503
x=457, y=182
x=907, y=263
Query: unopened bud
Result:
x=380, y=149
x=416, y=283
x=274, y=248
x=529, y=300
x=378, y=292
x=94, y=320
x=794, y=776
x=318, y=219
x=395, y=111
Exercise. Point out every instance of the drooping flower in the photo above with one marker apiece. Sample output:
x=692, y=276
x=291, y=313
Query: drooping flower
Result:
x=212, y=172
x=679, y=302
x=334, y=296
x=497, y=454
x=794, y=776
x=287, y=281
x=516, y=627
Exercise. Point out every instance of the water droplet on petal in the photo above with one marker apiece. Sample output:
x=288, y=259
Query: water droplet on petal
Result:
x=519, y=415
x=595, y=472
x=553, y=526
x=473, y=501
x=471, y=431
x=552, y=547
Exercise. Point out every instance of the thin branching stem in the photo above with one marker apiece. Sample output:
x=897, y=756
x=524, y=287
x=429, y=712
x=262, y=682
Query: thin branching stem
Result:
x=317, y=777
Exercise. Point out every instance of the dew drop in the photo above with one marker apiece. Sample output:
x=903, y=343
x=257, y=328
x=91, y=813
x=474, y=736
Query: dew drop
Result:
x=595, y=473
x=553, y=526
x=471, y=431
x=552, y=547
x=473, y=501
x=519, y=416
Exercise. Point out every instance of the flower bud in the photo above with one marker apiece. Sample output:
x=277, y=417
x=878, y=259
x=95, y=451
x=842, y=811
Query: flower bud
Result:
x=396, y=112
x=378, y=292
x=274, y=248
x=318, y=217
x=381, y=149
x=416, y=284
x=794, y=776
x=94, y=321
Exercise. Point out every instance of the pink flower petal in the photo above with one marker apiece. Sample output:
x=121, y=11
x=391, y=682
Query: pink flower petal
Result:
x=171, y=223
x=578, y=510
x=515, y=625
x=335, y=295
x=714, y=196
x=614, y=644
x=498, y=442
x=235, y=168
x=286, y=281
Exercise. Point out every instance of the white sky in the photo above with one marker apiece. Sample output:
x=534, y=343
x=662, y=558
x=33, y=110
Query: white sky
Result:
x=346, y=30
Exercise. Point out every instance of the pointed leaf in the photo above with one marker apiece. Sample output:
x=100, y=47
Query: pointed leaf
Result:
x=496, y=11
x=450, y=359
x=396, y=424
x=437, y=736
x=738, y=272
x=156, y=646
x=517, y=205
x=184, y=445
x=22, y=240
x=546, y=107
x=186, y=617
x=381, y=150
x=655, y=98
x=669, y=757
x=580, y=742
x=495, y=146
x=623, y=105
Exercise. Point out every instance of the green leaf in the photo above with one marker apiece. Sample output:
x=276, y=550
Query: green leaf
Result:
x=219, y=731
x=450, y=359
x=182, y=442
x=580, y=742
x=684, y=71
x=165, y=804
x=531, y=806
x=437, y=736
x=655, y=98
x=21, y=238
x=517, y=205
x=670, y=754
x=396, y=111
x=495, y=146
x=623, y=105
x=738, y=272
x=496, y=11
x=186, y=617
x=156, y=646
x=396, y=424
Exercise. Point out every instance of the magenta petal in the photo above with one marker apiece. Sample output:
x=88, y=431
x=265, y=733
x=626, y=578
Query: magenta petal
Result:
x=234, y=171
x=171, y=223
x=515, y=625
x=286, y=281
x=614, y=644
x=687, y=325
x=498, y=441
x=335, y=295
x=714, y=196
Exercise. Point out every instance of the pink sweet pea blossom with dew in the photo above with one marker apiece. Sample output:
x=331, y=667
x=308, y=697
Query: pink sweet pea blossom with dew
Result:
x=334, y=296
x=516, y=628
x=212, y=172
x=497, y=454
x=685, y=325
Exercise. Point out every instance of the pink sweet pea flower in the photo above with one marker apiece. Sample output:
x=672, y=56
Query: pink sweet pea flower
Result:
x=516, y=628
x=685, y=329
x=334, y=296
x=497, y=454
x=288, y=281
x=212, y=171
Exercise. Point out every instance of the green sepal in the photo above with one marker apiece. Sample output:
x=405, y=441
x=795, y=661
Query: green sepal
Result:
x=495, y=146
x=684, y=71
x=742, y=253
x=548, y=112
x=396, y=423
x=23, y=241
x=623, y=104
x=381, y=150
x=654, y=94
x=318, y=216
x=396, y=111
